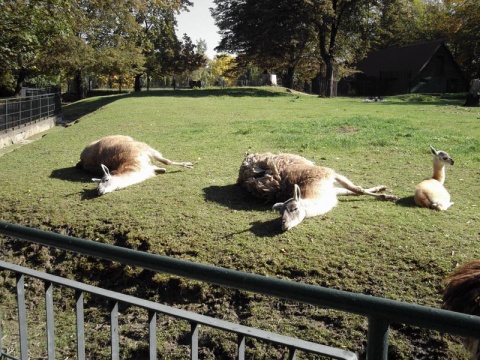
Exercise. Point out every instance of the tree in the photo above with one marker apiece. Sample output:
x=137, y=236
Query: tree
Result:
x=273, y=34
x=458, y=23
x=466, y=38
x=186, y=58
x=396, y=23
x=157, y=21
x=27, y=29
x=77, y=38
x=110, y=32
x=222, y=70
x=337, y=20
x=287, y=33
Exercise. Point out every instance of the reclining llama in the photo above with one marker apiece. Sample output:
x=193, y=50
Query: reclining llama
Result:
x=430, y=192
x=279, y=177
x=462, y=294
x=122, y=162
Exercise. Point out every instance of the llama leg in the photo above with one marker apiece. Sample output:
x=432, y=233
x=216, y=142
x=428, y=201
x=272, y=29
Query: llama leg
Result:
x=376, y=189
x=157, y=156
x=159, y=170
x=358, y=190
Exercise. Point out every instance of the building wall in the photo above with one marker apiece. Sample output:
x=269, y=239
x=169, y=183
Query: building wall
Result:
x=440, y=75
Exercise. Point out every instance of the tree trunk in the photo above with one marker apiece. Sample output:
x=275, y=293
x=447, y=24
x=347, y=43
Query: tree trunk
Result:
x=330, y=88
x=288, y=77
x=79, y=85
x=138, y=83
x=20, y=80
x=473, y=97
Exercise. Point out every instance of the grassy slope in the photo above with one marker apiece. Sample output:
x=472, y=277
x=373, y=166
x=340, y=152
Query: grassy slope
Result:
x=393, y=250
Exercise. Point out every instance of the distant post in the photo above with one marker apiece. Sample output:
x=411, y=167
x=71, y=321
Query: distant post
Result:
x=473, y=96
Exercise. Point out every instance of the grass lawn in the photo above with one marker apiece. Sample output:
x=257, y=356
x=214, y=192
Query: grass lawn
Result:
x=397, y=251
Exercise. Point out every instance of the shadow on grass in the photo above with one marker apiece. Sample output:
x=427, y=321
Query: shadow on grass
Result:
x=236, y=198
x=70, y=174
x=73, y=174
x=406, y=202
x=440, y=102
x=74, y=111
x=233, y=92
x=424, y=99
x=268, y=228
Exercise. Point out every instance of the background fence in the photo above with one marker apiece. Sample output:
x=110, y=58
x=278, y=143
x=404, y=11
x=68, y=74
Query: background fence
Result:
x=32, y=106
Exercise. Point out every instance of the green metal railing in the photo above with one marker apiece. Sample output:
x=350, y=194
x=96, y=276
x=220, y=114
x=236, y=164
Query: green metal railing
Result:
x=380, y=312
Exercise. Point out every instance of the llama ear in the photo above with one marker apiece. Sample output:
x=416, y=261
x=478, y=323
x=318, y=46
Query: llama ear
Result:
x=434, y=152
x=277, y=206
x=106, y=172
x=96, y=180
x=297, y=194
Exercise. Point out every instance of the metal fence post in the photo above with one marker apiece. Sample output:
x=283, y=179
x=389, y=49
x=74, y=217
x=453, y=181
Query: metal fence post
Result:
x=1, y=336
x=152, y=334
x=22, y=317
x=194, y=341
x=80, y=325
x=241, y=347
x=377, y=338
x=114, y=331
x=50, y=320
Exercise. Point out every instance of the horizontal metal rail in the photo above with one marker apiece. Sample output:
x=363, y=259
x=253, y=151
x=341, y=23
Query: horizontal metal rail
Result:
x=153, y=308
x=380, y=312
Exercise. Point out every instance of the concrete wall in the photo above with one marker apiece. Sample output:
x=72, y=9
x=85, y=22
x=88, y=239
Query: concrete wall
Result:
x=21, y=135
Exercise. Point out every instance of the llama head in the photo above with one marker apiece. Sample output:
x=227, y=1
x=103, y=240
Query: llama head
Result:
x=107, y=183
x=441, y=157
x=292, y=211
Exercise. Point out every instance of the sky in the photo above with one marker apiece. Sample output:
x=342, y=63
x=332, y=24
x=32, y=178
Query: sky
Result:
x=199, y=24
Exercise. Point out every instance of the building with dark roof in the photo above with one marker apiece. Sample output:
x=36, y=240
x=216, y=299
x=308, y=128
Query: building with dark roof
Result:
x=420, y=68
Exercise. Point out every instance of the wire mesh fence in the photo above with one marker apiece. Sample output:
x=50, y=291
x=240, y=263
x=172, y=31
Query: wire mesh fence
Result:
x=34, y=106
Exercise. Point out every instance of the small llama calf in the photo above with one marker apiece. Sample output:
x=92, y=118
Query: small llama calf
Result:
x=462, y=294
x=279, y=177
x=430, y=192
x=122, y=162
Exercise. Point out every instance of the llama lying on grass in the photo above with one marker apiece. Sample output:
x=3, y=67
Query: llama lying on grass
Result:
x=430, y=192
x=122, y=162
x=462, y=294
x=279, y=177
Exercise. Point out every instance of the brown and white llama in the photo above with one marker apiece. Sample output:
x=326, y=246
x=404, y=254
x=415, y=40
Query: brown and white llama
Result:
x=430, y=192
x=309, y=190
x=462, y=294
x=122, y=161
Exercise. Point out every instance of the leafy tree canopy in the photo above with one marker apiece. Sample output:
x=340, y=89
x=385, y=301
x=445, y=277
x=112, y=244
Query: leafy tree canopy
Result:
x=75, y=38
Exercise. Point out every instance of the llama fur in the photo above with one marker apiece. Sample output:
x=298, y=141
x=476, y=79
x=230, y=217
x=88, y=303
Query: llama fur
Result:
x=462, y=294
x=122, y=161
x=278, y=177
x=431, y=192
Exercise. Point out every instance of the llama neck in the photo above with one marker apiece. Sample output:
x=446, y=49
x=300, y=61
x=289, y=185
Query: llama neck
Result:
x=319, y=206
x=439, y=172
x=133, y=177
